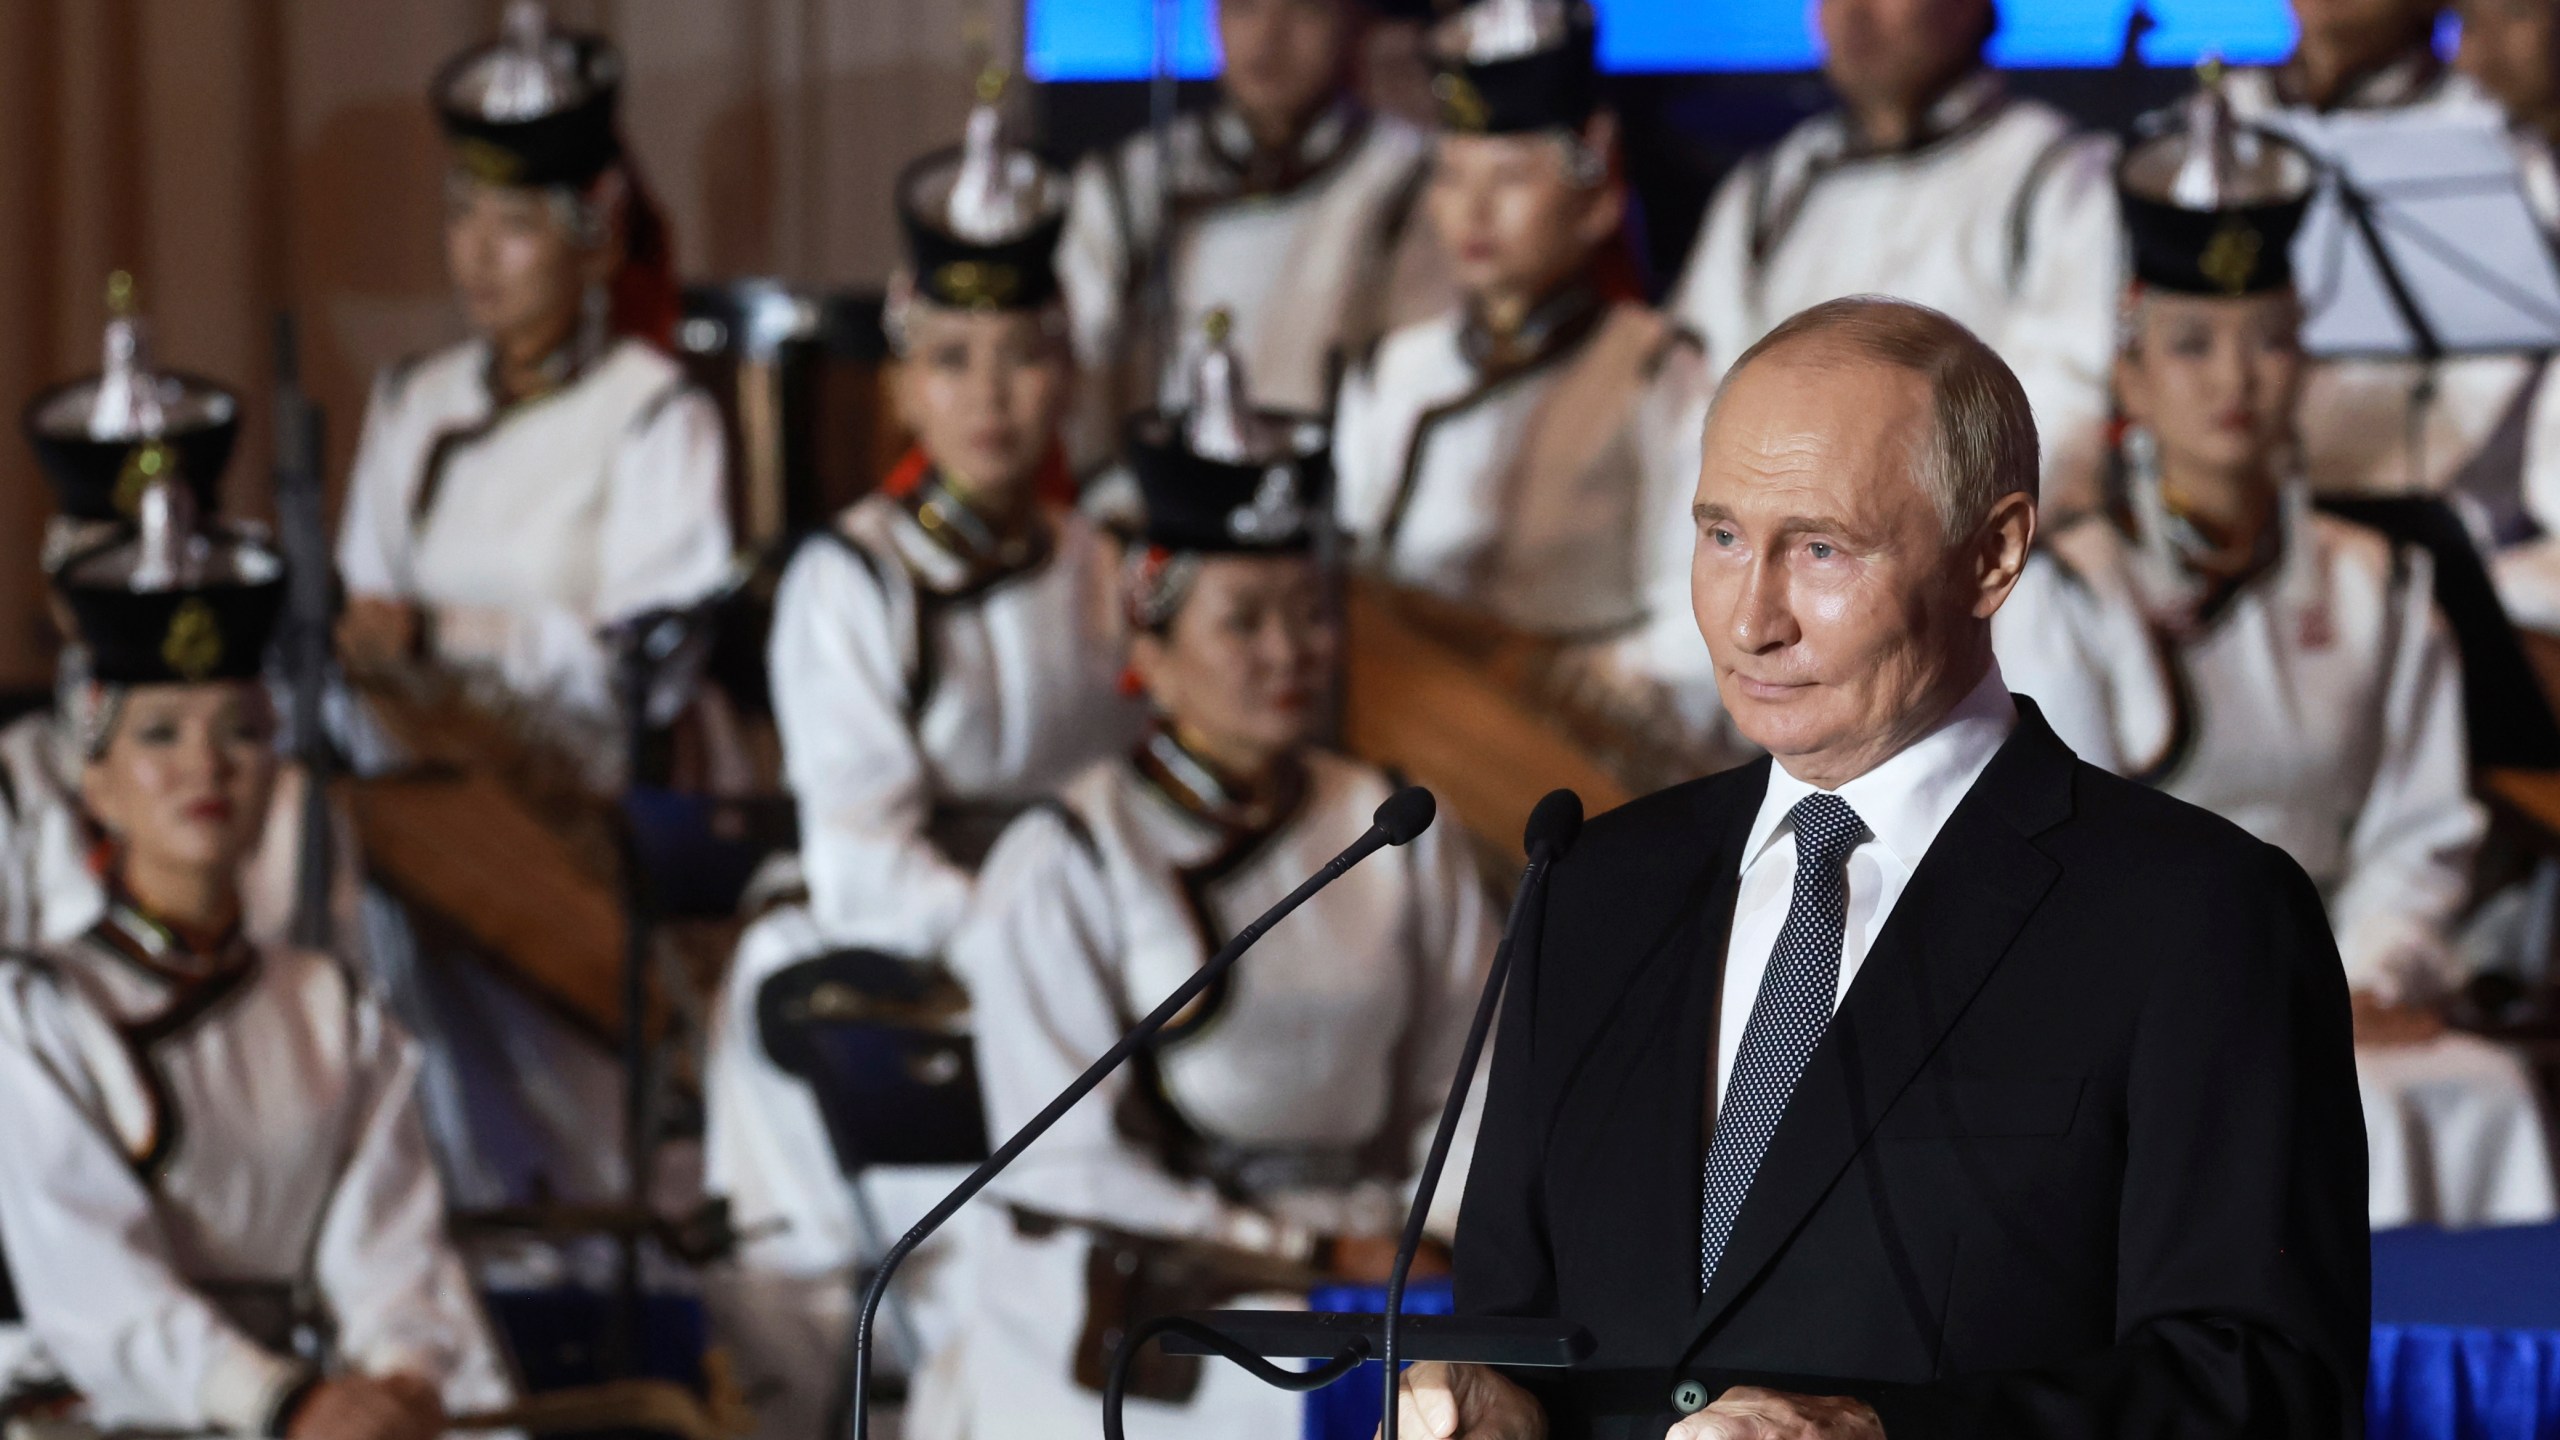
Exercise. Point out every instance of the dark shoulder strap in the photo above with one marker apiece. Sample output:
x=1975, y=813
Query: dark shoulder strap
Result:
x=1133, y=249
x=2022, y=205
x=1074, y=824
x=676, y=388
x=921, y=672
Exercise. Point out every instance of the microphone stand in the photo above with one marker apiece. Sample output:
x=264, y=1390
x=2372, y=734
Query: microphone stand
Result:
x=1406, y=814
x=1250, y=1337
x=1547, y=841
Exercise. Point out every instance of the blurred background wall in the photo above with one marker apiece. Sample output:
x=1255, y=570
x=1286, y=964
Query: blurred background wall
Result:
x=246, y=156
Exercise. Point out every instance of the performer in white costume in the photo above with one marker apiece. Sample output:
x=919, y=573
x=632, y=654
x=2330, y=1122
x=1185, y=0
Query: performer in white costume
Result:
x=1503, y=453
x=942, y=656
x=512, y=497
x=1290, y=207
x=1930, y=183
x=2212, y=633
x=215, y=1158
x=1270, y=1134
x=2484, y=425
x=1529, y=452
x=103, y=440
x=516, y=493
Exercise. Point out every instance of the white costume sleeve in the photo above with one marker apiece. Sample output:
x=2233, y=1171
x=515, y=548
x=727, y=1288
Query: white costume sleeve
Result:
x=2047, y=637
x=93, y=1270
x=663, y=542
x=401, y=1298
x=1711, y=297
x=840, y=678
x=2060, y=336
x=1361, y=453
x=1040, y=953
x=2528, y=575
x=2409, y=857
x=1093, y=268
x=373, y=534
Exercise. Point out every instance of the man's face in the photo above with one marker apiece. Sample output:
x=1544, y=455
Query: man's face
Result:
x=1283, y=58
x=1839, y=619
x=1895, y=52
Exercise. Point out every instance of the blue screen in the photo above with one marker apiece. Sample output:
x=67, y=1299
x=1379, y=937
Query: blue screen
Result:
x=1115, y=39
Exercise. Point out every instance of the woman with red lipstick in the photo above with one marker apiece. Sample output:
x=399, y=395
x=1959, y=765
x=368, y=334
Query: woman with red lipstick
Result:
x=2213, y=634
x=1271, y=1131
x=518, y=492
x=942, y=656
x=215, y=1155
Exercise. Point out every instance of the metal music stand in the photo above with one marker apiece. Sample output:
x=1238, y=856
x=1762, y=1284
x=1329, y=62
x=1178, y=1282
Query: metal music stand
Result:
x=2421, y=243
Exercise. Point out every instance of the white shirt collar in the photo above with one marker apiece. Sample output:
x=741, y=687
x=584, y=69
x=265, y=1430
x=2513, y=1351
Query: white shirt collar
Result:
x=1906, y=800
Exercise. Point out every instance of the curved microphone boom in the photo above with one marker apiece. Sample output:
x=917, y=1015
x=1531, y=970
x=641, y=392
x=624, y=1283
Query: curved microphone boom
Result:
x=1398, y=821
x=1553, y=826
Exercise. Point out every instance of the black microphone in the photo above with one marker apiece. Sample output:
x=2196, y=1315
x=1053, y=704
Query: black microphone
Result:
x=1403, y=816
x=1553, y=827
x=1252, y=1337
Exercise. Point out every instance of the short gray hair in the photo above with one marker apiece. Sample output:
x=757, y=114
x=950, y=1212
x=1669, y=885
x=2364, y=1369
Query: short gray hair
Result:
x=1983, y=444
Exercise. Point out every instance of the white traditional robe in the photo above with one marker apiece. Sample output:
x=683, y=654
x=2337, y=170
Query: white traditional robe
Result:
x=920, y=701
x=200, y=1147
x=2320, y=708
x=1533, y=490
x=1551, y=492
x=1319, y=1068
x=2003, y=217
x=529, y=528
x=1311, y=265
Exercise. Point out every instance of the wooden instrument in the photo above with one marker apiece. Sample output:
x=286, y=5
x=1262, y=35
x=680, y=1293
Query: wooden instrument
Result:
x=497, y=834
x=1475, y=711
x=657, y=1407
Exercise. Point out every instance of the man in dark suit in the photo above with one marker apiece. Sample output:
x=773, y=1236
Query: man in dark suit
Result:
x=1926, y=1081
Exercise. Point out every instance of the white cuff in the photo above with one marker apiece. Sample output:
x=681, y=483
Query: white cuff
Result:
x=243, y=1386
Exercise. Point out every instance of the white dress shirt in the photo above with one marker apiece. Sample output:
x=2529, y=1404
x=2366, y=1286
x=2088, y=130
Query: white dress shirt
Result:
x=1905, y=802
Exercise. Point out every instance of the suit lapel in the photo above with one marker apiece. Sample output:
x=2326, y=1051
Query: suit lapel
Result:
x=1967, y=901
x=1664, y=1200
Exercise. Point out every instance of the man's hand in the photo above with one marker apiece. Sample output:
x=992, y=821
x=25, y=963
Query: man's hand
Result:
x=366, y=1407
x=1466, y=1402
x=1745, y=1413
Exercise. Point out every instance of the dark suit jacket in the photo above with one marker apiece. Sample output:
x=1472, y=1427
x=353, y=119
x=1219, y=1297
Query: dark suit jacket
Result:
x=2080, y=1155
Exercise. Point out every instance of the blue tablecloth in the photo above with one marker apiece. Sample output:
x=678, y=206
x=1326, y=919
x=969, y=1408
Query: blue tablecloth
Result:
x=2466, y=1339
x=2466, y=1335
x=1350, y=1406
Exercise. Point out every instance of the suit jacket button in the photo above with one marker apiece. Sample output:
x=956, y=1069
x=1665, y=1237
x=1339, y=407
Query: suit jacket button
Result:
x=1689, y=1397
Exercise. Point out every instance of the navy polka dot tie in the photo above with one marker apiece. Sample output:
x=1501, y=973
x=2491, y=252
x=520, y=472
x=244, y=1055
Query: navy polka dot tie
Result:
x=1787, y=1018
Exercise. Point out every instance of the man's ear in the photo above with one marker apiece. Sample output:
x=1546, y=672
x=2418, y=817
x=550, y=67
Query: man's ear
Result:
x=2001, y=549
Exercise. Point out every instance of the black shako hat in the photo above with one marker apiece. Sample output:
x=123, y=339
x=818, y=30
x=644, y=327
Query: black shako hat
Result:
x=1219, y=476
x=534, y=108
x=983, y=220
x=104, y=439
x=2211, y=206
x=1509, y=67
x=1199, y=505
x=200, y=606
